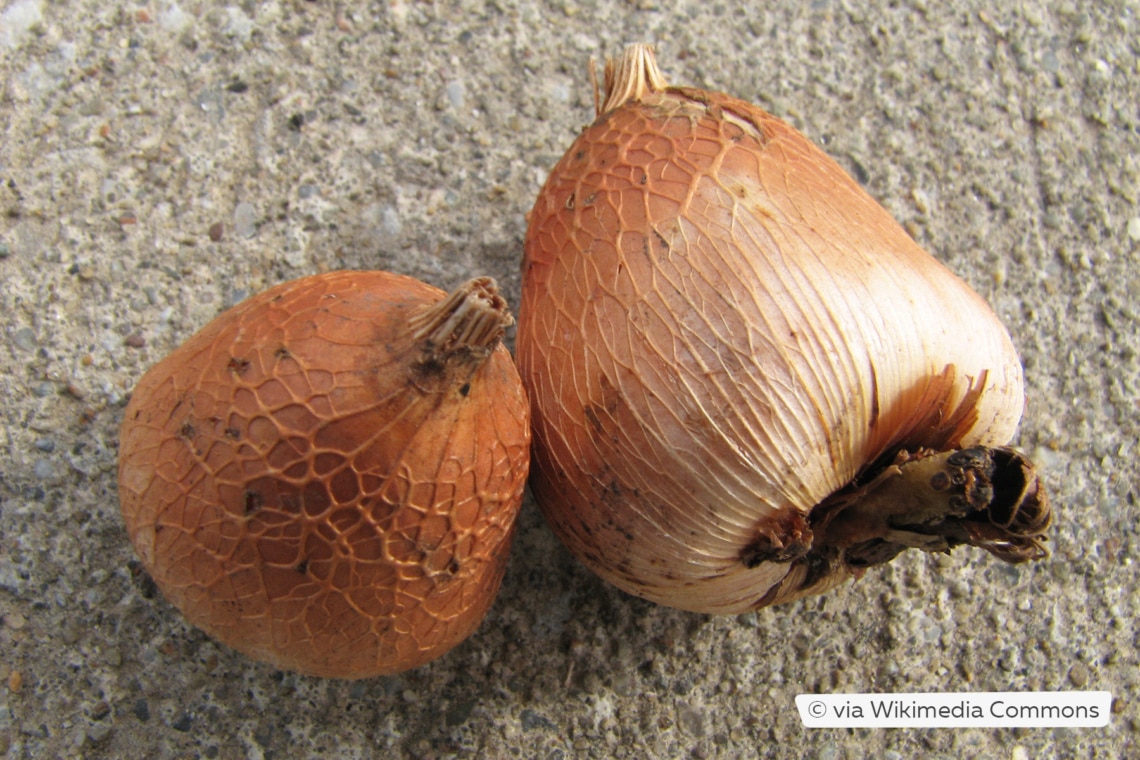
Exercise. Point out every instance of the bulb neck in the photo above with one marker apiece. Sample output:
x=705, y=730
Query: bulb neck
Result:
x=631, y=77
x=462, y=329
x=987, y=497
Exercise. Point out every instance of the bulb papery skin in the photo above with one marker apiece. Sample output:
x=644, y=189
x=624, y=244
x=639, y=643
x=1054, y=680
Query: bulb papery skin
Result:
x=719, y=330
x=326, y=477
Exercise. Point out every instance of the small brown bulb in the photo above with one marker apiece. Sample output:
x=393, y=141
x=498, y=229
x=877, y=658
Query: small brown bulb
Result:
x=748, y=382
x=326, y=477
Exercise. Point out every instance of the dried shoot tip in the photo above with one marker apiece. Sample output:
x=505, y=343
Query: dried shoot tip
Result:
x=472, y=317
x=631, y=77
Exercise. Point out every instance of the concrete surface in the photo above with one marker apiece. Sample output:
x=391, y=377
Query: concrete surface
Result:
x=162, y=160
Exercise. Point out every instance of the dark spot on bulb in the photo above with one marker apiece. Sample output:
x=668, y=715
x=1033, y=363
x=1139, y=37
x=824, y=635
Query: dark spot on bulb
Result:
x=253, y=501
x=237, y=365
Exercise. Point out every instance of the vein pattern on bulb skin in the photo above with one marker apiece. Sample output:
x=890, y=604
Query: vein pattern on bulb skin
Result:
x=740, y=365
x=326, y=476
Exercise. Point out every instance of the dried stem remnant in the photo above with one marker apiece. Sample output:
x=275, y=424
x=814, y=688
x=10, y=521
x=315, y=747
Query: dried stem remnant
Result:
x=473, y=316
x=986, y=497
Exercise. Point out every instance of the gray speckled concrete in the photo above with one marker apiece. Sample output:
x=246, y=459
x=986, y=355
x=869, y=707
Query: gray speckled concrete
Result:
x=414, y=136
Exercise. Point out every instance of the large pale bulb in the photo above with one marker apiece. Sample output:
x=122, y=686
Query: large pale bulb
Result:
x=748, y=383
